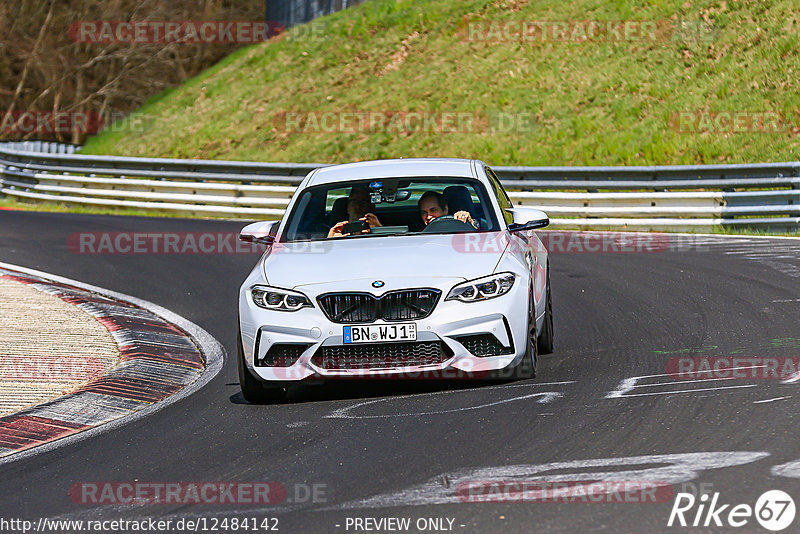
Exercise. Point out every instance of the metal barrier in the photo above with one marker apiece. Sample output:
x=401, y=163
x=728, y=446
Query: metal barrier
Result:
x=688, y=197
x=293, y=12
x=50, y=147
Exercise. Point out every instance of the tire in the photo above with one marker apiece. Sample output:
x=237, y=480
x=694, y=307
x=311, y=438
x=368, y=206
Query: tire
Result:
x=255, y=391
x=545, y=340
x=526, y=369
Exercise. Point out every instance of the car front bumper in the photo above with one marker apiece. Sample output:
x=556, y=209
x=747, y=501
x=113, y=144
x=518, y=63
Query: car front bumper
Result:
x=504, y=317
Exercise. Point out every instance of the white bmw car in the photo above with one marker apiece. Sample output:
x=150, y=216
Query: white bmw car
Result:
x=404, y=268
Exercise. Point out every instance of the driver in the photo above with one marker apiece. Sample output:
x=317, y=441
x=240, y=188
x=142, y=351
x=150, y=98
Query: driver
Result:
x=433, y=205
x=359, y=208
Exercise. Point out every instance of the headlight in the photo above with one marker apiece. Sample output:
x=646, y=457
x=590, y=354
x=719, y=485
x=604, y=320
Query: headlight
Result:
x=484, y=288
x=274, y=298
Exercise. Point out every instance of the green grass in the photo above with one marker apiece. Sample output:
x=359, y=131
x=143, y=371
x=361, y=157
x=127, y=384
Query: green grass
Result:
x=62, y=207
x=592, y=103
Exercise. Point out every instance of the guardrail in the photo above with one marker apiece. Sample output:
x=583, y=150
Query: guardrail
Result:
x=637, y=198
x=50, y=147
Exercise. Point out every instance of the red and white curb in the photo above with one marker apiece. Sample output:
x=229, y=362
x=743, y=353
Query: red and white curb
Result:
x=163, y=358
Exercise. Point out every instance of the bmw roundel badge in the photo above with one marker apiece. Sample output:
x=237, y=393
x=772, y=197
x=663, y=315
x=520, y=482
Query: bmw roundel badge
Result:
x=378, y=283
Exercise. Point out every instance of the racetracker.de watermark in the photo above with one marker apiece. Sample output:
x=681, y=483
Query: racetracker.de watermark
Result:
x=49, y=122
x=19, y=123
x=533, y=491
x=589, y=31
x=211, y=493
x=50, y=369
x=558, y=242
x=734, y=122
x=160, y=243
x=404, y=122
x=166, y=31
x=726, y=368
x=555, y=242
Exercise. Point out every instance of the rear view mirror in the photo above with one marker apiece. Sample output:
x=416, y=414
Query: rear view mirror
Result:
x=260, y=232
x=527, y=219
x=397, y=196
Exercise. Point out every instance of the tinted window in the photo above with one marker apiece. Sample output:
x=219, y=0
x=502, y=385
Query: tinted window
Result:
x=394, y=201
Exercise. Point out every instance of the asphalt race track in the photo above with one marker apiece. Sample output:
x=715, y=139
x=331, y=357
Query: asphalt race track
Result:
x=620, y=320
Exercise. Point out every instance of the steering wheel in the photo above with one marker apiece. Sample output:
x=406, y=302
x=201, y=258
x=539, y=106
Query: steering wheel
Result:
x=448, y=224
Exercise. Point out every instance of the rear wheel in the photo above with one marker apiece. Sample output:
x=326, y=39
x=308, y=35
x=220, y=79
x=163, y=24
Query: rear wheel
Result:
x=545, y=340
x=253, y=390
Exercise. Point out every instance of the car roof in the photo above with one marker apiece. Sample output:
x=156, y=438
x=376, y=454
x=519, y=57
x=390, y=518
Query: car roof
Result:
x=394, y=168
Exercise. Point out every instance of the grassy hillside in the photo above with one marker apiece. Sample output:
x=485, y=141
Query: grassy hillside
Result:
x=599, y=102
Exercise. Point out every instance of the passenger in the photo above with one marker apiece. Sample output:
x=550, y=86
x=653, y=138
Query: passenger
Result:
x=359, y=208
x=433, y=205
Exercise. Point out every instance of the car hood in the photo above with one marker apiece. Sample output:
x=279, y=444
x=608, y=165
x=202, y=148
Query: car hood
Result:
x=396, y=260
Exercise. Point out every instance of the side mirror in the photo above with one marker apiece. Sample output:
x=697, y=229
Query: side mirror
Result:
x=260, y=232
x=527, y=219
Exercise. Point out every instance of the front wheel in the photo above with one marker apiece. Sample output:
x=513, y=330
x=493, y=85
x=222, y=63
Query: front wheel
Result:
x=254, y=391
x=526, y=369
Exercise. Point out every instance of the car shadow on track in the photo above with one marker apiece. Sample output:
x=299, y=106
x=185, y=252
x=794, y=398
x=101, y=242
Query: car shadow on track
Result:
x=367, y=389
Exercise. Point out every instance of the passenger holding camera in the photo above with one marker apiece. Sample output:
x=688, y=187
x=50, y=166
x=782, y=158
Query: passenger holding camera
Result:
x=359, y=208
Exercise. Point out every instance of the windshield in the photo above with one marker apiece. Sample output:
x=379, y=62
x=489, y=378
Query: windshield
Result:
x=390, y=206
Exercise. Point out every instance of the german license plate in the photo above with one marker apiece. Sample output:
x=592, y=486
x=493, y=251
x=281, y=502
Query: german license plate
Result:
x=380, y=333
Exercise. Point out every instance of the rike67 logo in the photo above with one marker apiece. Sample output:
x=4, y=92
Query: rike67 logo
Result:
x=774, y=510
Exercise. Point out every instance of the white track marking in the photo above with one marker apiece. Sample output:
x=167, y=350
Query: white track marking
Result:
x=780, y=258
x=792, y=379
x=212, y=351
x=343, y=413
x=789, y=469
x=688, y=381
x=625, y=386
x=530, y=385
x=772, y=400
x=679, y=468
x=628, y=384
x=336, y=413
x=678, y=391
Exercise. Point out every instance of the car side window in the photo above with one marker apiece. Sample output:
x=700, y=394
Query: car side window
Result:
x=502, y=196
